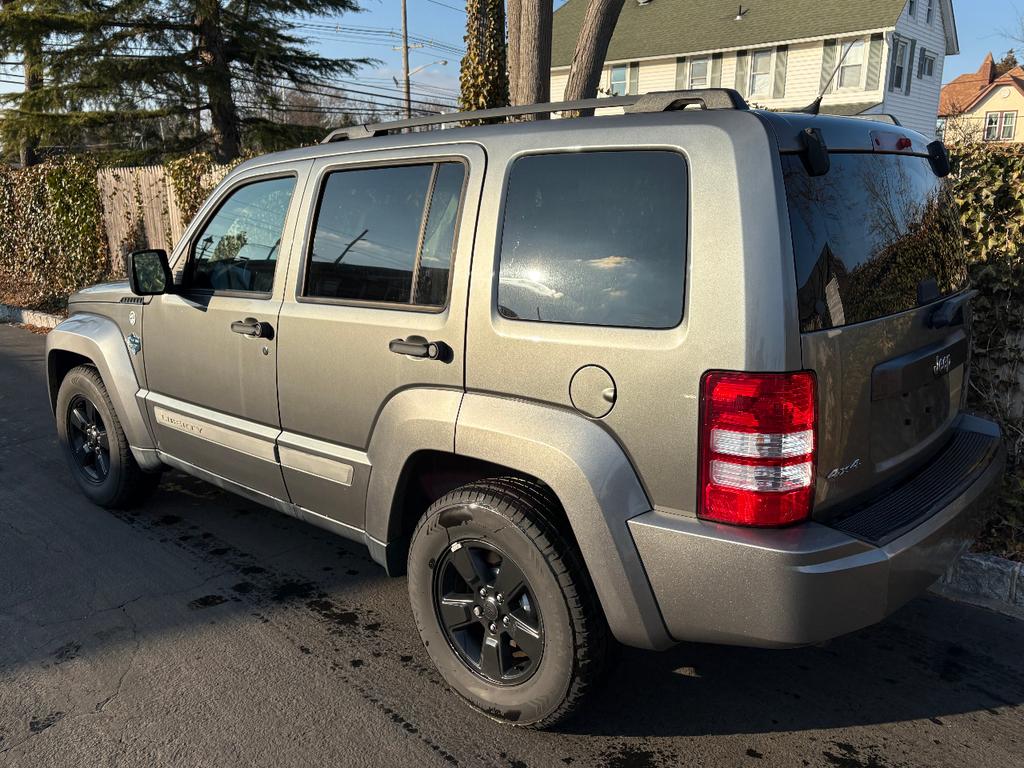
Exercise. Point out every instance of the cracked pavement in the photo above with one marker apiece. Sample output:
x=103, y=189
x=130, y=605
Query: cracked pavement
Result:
x=203, y=630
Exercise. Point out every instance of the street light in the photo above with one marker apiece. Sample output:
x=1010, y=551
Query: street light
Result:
x=442, y=62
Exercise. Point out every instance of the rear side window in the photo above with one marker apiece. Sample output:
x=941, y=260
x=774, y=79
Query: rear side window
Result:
x=871, y=237
x=386, y=235
x=595, y=238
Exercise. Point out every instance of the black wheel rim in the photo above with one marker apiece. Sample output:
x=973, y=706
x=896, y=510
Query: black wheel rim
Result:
x=87, y=436
x=488, y=612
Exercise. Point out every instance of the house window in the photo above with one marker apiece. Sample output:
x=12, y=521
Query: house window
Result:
x=929, y=11
x=899, y=70
x=853, y=64
x=699, y=70
x=912, y=9
x=619, y=80
x=928, y=66
x=1000, y=126
x=760, y=73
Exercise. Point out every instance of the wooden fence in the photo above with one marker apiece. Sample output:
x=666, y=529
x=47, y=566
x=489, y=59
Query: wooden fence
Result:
x=140, y=210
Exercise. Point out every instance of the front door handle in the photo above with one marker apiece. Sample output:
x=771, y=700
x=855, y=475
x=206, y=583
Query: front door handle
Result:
x=417, y=346
x=253, y=328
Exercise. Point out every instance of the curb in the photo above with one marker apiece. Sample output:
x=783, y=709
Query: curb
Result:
x=9, y=314
x=986, y=580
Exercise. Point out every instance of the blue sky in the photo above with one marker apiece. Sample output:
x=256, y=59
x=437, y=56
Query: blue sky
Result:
x=983, y=26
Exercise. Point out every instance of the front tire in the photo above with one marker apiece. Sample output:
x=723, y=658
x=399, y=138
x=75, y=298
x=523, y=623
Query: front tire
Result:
x=95, y=445
x=503, y=603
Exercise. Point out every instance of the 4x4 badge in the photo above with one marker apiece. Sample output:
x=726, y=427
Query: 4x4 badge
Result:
x=838, y=472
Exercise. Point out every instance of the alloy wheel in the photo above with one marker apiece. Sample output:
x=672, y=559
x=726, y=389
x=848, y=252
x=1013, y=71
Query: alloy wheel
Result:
x=488, y=612
x=87, y=435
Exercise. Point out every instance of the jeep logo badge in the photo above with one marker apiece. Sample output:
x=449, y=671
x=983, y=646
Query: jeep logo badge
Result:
x=942, y=364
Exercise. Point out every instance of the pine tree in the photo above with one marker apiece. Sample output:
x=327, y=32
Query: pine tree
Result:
x=149, y=67
x=483, y=78
x=1005, y=64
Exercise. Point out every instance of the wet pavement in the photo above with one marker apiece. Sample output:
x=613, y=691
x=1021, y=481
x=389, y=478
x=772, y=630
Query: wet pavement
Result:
x=205, y=630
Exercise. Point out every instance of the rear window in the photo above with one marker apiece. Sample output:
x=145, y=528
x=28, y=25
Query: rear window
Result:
x=878, y=234
x=595, y=238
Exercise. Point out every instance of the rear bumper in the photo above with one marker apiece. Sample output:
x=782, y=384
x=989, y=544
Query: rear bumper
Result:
x=805, y=584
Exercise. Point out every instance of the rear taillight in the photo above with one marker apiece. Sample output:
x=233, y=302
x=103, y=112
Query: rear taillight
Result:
x=757, y=447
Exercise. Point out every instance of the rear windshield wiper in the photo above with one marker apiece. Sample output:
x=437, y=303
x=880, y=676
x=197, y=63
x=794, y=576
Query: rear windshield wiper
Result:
x=951, y=311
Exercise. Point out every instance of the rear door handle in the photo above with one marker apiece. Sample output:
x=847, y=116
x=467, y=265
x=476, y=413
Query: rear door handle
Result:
x=417, y=346
x=253, y=328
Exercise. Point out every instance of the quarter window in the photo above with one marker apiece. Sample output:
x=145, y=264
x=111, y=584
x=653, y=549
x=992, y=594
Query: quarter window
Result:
x=237, y=249
x=595, y=238
x=699, y=72
x=853, y=64
x=386, y=235
x=760, y=73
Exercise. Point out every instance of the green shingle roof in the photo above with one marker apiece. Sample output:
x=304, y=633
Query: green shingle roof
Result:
x=672, y=27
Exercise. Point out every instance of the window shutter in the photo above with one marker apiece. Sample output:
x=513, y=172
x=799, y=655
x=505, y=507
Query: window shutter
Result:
x=908, y=76
x=828, y=66
x=742, y=65
x=781, y=59
x=634, y=78
x=682, y=81
x=874, y=62
x=920, y=62
x=716, y=70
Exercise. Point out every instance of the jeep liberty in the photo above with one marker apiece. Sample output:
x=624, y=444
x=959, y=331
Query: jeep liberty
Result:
x=677, y=374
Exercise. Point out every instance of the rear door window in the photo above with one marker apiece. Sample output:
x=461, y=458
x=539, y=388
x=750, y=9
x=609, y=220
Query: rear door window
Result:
x=595, y=238
x=386, y=235
x=874, y=236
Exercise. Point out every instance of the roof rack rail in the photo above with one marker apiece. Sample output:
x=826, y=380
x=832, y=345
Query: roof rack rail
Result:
x=660, y=101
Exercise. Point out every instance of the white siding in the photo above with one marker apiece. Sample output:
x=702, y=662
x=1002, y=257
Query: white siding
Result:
x=918, y=110
x=804, y=73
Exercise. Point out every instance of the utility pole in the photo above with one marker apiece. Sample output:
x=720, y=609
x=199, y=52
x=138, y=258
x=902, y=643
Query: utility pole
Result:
x=405, y=60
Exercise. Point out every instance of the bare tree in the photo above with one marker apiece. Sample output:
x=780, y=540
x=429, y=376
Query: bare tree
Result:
x=591, y=48
x=530, y=51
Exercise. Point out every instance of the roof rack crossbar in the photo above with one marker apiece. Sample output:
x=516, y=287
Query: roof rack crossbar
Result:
x=662, y=101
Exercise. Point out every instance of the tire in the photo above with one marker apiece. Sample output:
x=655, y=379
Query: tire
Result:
x=478, y=529
x=97, y=450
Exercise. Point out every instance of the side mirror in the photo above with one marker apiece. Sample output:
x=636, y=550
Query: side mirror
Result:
x=149, y=274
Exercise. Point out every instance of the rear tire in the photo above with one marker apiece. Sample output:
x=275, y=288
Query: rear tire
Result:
x=95, y=445
x=529, y=657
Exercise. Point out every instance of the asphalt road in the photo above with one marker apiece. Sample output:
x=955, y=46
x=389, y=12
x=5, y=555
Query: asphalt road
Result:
x=203, y=630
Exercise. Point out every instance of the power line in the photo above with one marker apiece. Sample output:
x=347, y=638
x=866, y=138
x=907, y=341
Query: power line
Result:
x=445, y=5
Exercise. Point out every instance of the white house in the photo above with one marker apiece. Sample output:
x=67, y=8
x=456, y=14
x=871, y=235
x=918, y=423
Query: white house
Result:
x=780, y=54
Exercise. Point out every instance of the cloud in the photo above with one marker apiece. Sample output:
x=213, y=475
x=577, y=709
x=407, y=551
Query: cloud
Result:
x=610, y=262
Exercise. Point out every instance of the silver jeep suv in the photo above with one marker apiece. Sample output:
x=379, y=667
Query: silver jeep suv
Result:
x=670, y=375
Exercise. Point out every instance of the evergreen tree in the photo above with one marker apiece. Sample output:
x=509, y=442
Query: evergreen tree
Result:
x=483, y=78
x=1005, y=64
x=160, y=66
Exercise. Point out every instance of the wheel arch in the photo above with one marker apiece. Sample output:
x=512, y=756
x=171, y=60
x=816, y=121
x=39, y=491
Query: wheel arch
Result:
x=576, y=458
x=88, y=339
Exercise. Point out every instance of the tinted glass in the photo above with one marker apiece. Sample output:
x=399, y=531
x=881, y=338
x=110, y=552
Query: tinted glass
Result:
x=595, y=238
x=439, y=236
x=237, y=250
x=367, y=236
x=867, y=234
